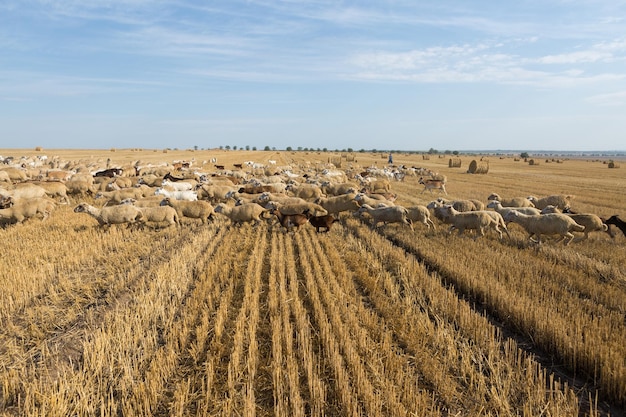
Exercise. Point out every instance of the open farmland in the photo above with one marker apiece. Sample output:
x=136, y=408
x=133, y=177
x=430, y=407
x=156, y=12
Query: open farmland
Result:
x=228, y=320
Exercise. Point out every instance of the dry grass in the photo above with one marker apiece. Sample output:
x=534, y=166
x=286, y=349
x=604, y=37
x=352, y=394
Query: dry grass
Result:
x=223, y=320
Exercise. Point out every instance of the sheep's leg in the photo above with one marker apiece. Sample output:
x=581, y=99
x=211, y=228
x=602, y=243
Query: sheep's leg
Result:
x=569, y=238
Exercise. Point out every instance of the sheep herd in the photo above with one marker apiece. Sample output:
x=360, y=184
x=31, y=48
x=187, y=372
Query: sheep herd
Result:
x=164, y=196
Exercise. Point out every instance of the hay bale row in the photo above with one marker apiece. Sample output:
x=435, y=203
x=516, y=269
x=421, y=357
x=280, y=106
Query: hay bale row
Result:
x=478, y=167
x=454, y=163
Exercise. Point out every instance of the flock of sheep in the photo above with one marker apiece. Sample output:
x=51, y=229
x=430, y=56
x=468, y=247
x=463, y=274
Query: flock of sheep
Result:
x=163, y=195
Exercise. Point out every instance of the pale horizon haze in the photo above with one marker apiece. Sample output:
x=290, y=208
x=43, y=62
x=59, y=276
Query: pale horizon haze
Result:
x=397, y=75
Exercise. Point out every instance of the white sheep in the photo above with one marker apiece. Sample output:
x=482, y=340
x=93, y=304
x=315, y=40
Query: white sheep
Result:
x=511, y=202
x=561, y=201
x=106, y=216
x=339, y=203
x=308, y=192
x=386, y=215
x=546, y=224
x=420, y=214
x=461, y=205
x=199, y=209
x=299, y=208
x=473, y=220
x=187, y=195
x=23, y=209
x=372, y=200
x=497, y=206
x=244, y=213
x=24, y=191
x=115, y=197
x=177, y=185
x=592, y=222
x=160, y=214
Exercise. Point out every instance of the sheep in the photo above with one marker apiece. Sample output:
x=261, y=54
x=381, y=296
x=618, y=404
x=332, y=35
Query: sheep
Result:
x=106, y=216
x=80, y=187
x=23, y=209
x=371, y=200
x=337, y=204
x=187, y=195
x=53, y=189
x=24, y=191
x=459, y=205
x=300, y=208
x=420, y=214
x=497, y=206
x=152, y=201
x=177, y=185
x=320, y=222
x=308, y=192
x=115, y=197
x=215, y=193
x=378, y=186
x=266, y=197
x=160, y=214
x=198, y=209
x=592, y=222
x=558, y=200
x=511, y=202
x=4, y=176
x=615, y=220
x=329, y=188
x=394, y=214
x=474, y=220
x=547, y=224
x=242, y=214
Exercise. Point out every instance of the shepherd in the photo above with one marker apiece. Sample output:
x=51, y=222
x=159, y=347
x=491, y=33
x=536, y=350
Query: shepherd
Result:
x=390, y=160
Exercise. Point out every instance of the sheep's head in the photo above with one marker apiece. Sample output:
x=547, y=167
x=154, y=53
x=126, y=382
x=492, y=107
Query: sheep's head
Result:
x=493, y=196
x=81, y=208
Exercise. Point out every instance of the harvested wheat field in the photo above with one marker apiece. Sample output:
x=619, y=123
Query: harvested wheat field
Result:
x=220, y=319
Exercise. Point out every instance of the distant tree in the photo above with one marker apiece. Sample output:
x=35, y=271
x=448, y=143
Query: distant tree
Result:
x=447, y=152
x=195, y=147
x=325, y=149
x=228, y=147
x=455, y=152
x=288, y=149
x=299, y=148
x=247, y=147
x=361, y=150
x=273, y=148
x=254, y=148
x=350, y=150
x=235, y=148
x=433, y=151
x=267, y=148
x=524, y=155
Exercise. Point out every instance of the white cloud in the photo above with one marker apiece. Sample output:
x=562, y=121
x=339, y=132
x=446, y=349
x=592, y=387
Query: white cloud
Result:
x=609, y=99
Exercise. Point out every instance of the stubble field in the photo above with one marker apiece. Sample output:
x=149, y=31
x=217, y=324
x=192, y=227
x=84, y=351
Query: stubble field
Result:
x=229, y=320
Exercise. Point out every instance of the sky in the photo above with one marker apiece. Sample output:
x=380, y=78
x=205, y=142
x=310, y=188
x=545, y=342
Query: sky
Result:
x=386, y=75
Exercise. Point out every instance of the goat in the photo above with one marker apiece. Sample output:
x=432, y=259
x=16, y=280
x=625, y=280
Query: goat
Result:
x=430, y=184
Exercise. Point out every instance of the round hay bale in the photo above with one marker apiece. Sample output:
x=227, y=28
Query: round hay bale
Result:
x=532, y=162
x=454, y=163
x=613, y=164
x=425, y=157
x=478, y=167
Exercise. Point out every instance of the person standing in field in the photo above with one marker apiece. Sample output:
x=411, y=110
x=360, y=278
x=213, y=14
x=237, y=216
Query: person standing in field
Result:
x=390, y=160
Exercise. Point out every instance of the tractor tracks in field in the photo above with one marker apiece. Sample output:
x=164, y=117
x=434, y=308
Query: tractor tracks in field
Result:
x=581, y=384
x=61, y=347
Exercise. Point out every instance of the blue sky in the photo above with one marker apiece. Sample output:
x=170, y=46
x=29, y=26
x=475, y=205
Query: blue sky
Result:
x=400, y=75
